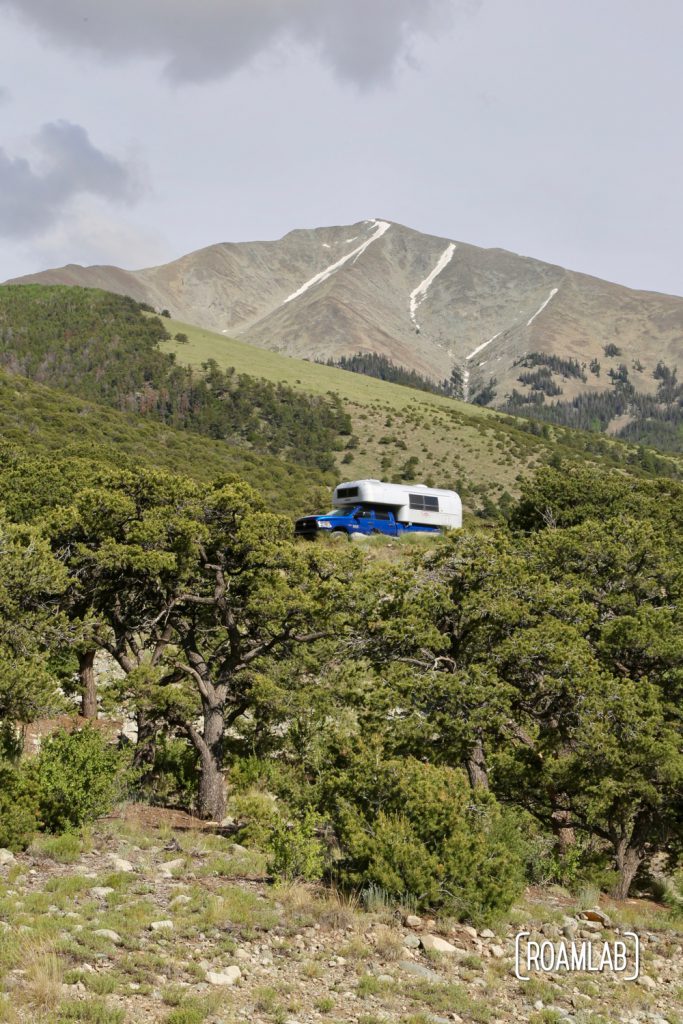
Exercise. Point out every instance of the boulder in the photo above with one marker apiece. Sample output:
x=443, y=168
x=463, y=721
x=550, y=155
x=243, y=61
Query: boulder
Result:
x=434, y=943
x=6, y=857
x=418, y=971
x=596, y=915
x=119, y=864
x=107, y=933
x=226, y=976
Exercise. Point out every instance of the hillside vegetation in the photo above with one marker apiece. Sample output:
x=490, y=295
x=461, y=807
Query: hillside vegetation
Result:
x=537, y=667
x=100, y=346
x=46, y=420
x=401, y=433
x=432, y=732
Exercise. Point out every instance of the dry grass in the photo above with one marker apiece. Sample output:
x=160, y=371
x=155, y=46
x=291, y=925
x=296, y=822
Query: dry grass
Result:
x=44, y=977
x=388, y=942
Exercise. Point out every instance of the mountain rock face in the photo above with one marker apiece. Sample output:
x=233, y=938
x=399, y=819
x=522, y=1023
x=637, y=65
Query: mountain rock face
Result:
x=428, y=303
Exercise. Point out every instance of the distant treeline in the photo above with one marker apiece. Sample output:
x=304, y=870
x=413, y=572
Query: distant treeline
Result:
x=372, y=364
x=100, y=346
x=656, y=420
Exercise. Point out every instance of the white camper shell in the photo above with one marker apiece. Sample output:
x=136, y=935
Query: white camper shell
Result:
x=411, y=503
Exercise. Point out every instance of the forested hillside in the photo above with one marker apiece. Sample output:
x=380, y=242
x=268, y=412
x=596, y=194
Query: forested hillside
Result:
x=100, y=346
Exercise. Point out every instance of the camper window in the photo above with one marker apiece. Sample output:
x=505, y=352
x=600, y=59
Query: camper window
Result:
x=424, y=502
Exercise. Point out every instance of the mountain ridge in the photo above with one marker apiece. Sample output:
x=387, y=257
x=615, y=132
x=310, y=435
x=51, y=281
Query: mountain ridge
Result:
x=430, y=303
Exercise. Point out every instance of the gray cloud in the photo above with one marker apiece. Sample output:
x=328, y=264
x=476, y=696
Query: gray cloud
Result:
x=362, y=40
x=68, y=166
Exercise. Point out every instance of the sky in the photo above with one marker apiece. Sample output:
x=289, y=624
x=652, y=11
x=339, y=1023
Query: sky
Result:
x=137, y=131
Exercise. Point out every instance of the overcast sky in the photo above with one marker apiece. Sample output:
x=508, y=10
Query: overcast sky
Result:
x=137, y=131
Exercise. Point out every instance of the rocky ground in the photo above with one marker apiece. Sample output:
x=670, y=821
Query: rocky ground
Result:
x=147, y=922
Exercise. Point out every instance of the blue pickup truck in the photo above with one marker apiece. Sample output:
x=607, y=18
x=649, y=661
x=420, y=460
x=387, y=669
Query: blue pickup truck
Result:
x=359, y=519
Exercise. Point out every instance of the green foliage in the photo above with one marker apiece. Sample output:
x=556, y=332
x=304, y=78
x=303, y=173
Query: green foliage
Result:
x=19, y=806
x=174, y=776
x=372, y=364
x=101, y=347
x=554, y=364
x=79, y=777
x=420, y=833
x=296, y=851
x=258, y=815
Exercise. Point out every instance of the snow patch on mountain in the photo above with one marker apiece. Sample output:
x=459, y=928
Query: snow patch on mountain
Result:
x=480, y=348
x=419, y=294
x=381, y=227
x=540, y=309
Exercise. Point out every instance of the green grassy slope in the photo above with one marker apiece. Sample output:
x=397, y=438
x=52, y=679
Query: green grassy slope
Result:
x=38, y=417
x=481, y=452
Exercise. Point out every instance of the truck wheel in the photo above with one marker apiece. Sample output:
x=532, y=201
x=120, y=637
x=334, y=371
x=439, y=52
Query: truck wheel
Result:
x=340, y=535
x=376, y=532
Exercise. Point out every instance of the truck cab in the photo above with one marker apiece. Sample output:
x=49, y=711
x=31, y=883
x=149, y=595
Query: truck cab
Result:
x=363, y=519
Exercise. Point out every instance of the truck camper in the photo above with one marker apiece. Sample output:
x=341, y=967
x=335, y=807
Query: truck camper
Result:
x=365, y=507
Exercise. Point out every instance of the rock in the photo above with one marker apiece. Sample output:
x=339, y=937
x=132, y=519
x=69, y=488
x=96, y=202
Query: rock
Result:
x=236, y=848
x=418, y=971
x=119, y=864
x=462, y=934
x=591, y=926
x=538, y=1005
x=171, y=865
x=180, y=900
x=101, y=892
x=160, y=926
x=411, y=941
x=107, y=933
x=497, y=951
x=596, y=915
x=413, y=921
x=434, y=943
x=388, y=979
x=486, y=934
x=6, y=857
x=647, y=982
x=228, y=976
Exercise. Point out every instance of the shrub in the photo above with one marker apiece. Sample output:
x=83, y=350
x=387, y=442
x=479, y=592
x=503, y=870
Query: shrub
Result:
x=175, y=776
x=258, y=814
x=80, y=776
x=421, y=833
x=18, y=807
x=296, y=851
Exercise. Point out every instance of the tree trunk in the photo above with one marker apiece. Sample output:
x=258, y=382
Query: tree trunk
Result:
x=562, y=830
x=476, y=767
x=628, y=860
x=211, y=785
x=88, y=684
x=146, y=745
